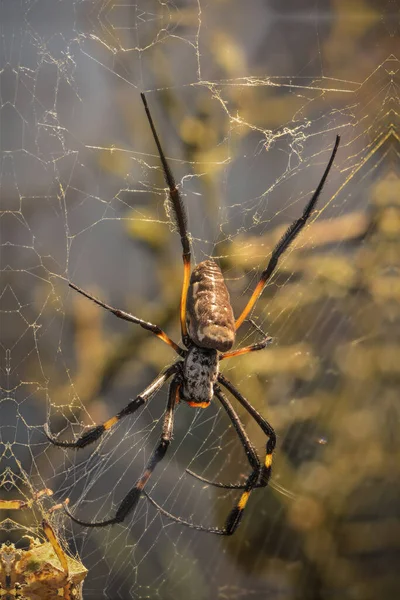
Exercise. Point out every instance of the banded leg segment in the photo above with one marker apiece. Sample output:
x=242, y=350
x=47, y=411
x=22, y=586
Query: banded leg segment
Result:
x=235, y=516
x=265, y=341
x=288, y=237
x=269, y=449
x=94, y=433
x=252, y=348
x=262, y=423
x=180, y=219
x=131, y=499
x=236, y=513
x=121, y=314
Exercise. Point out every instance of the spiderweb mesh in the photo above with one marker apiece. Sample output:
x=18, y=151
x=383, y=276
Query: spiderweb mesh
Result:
x=247, y=98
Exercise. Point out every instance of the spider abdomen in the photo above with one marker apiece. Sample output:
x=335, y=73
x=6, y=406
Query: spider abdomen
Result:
x=209, y=314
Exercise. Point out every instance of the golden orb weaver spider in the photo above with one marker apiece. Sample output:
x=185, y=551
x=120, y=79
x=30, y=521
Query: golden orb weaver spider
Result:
x=208, y=331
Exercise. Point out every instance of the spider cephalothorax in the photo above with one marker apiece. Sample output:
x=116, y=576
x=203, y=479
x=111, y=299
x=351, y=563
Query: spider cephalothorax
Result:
x=208, y=331
x=199, y=375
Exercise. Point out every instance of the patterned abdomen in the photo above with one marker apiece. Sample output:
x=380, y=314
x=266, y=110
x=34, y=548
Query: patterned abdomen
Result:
x=209, y=315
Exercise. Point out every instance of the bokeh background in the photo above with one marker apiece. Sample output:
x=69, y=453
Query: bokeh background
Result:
x=248, y=98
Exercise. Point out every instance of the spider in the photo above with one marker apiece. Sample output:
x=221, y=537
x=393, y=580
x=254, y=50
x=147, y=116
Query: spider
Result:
x=208, y=331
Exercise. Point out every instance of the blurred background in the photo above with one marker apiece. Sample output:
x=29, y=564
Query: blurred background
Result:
x=247, y=98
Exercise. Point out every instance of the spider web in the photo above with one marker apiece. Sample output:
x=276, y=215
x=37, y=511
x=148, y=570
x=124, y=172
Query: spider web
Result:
x=247, y=99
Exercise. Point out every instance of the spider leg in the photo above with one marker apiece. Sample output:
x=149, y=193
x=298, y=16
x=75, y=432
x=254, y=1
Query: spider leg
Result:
x=180, y=219
x=288, y=237
x=218, y=484
x=94, y=433
x=62, y=557
x=252, y=348
x=182, y=521
x=265, y=341
x=270, y=446
x=132, y=497
x=262, y=423
x=121, y=314
x=235, y=516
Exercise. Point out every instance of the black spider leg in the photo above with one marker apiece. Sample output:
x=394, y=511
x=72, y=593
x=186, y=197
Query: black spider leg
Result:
x=121, y=314
x=131, y=499
x=261, y=422
x=285, y=241
x=180, y=215
x=94, y=433
x=236, y=513
x=269, y=448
